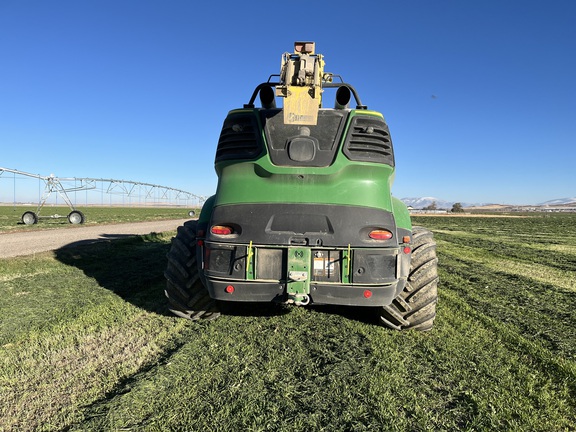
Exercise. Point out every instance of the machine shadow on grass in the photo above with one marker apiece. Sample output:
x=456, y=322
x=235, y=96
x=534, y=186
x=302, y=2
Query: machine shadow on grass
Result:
x=133, y=268
x=130, y=266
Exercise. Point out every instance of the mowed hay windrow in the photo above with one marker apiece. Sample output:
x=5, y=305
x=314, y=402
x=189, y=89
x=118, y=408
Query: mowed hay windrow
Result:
x=87, y=343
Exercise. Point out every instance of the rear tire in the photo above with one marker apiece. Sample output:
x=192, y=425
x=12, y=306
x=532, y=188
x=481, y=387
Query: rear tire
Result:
x=415, y=307
x=187, y=297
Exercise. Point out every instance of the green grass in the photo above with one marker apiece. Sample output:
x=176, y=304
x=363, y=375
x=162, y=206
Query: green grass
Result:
x=11, y=216
x=86, y=343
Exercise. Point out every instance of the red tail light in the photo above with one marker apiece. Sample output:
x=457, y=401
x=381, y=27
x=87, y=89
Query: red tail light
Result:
x=221, y=230
x=380, y=234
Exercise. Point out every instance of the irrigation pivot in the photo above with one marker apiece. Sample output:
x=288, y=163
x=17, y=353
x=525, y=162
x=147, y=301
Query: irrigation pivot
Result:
x=59, y=185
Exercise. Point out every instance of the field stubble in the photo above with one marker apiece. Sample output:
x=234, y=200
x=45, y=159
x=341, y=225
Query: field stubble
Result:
x=86, y=343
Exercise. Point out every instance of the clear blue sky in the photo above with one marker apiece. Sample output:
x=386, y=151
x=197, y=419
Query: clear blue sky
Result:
x=480, y=96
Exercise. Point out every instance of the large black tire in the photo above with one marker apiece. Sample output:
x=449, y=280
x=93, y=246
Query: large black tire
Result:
x=415, y=306
x=187, y=297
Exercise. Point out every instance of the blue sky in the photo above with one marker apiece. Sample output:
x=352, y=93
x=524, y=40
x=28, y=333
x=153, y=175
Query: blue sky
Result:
x=480, y=96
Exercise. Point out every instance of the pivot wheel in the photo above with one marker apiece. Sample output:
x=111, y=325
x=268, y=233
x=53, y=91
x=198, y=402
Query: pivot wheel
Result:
x=76, y=217
x=30, y=218
x=415, y=307
x=187, y=296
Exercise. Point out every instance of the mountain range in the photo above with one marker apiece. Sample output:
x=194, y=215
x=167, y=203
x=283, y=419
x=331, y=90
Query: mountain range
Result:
x=422, y=202
x=560, y=201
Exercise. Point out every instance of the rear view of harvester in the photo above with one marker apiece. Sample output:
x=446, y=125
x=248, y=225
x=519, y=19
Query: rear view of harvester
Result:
x=303, y=212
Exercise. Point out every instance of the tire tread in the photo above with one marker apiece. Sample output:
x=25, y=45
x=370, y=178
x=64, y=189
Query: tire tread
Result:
x=187, y=296
x=415, y=307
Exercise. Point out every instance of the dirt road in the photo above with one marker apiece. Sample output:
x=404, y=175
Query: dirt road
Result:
x=28, y=243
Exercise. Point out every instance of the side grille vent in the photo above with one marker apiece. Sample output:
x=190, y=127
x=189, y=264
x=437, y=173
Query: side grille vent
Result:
x=368, y=140
x=239, y=138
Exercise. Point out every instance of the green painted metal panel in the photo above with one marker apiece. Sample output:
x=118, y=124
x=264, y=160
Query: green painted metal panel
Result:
x=345, y=182
x=401, y=214
x=207, y=210
x=299, y=272
x=356, y=184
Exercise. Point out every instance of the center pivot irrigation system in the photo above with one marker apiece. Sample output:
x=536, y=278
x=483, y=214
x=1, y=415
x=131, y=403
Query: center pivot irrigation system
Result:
x=63, y=185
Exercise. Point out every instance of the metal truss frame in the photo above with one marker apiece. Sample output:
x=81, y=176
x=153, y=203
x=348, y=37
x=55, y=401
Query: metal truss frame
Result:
x=129, y=188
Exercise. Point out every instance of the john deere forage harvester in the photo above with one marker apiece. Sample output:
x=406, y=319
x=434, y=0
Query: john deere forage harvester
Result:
x=303, y=212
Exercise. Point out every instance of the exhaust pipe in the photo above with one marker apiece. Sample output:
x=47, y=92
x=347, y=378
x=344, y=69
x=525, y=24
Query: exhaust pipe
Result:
x=342, y=98
x=267, y=97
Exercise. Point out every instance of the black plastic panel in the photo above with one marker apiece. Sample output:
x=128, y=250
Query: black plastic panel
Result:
x=240, y=138
x=297, y=145
x=304, y=224
x=373, y=266
x=252, y=291
x=368, y=140
x=347, y=295
x=271, y=263
x=224, y=260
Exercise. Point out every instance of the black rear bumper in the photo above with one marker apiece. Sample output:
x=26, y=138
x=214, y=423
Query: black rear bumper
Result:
x=332, y=294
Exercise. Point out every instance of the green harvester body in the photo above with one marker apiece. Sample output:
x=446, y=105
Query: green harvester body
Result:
x=303, y=211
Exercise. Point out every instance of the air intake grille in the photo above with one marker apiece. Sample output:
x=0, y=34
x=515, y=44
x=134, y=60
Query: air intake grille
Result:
x=368, y=140
x=239, y=138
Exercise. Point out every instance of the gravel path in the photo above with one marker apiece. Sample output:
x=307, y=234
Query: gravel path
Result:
x=28, y=243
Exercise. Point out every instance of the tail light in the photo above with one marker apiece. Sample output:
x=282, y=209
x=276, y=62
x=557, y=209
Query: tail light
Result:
x=380, y=234
x=407, y=249
x=222, y=230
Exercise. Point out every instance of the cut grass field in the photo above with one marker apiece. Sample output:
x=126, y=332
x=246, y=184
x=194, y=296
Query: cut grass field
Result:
x=86, y=343
x=11, y=216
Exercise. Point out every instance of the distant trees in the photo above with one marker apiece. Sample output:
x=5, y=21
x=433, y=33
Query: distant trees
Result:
x=457, y=208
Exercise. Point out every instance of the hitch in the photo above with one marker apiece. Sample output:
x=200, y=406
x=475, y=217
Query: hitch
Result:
x=298, y=299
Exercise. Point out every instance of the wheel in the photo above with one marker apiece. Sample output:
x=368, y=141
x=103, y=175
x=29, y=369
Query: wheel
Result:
x=187, y=297
x=76, y=217
x=29, y=218
x=415, y=306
